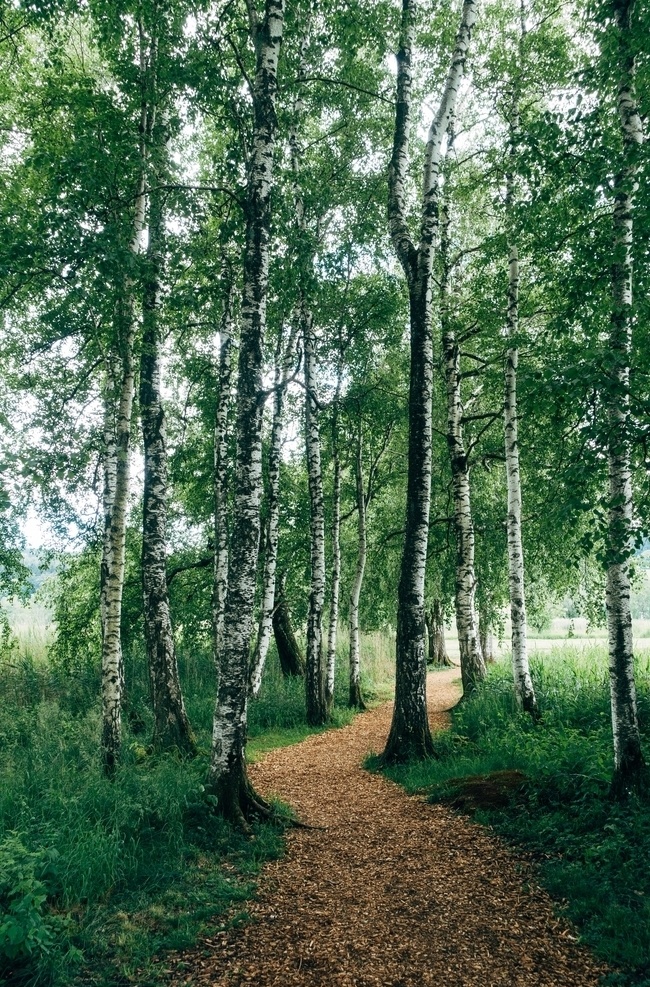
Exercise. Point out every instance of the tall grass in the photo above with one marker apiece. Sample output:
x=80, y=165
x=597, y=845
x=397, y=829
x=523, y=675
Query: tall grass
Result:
x=591, y=851
x=98, y=876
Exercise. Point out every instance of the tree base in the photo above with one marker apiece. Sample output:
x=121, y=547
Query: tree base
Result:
x=355, y=700
x=239, y=803
x=444, y=662
x=401, y=749
x=177, y=741
x=632, y=777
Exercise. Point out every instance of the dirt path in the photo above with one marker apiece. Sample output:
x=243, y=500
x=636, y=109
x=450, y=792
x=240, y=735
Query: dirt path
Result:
x=393, y=892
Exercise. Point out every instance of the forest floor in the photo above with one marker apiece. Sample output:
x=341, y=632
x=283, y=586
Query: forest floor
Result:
x=385, y=889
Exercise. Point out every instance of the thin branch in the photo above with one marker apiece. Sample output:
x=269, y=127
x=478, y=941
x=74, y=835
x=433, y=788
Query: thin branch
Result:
x=240, y=64
x=348, y=85
x=186, y=567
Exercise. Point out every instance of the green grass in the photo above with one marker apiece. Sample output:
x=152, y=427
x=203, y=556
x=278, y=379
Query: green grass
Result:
x=592, y=853
x=100, y=878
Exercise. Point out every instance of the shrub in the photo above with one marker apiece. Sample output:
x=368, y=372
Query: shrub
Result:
x=26, y=929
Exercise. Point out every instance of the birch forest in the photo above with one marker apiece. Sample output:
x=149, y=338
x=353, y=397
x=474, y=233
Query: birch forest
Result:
x=324, y=422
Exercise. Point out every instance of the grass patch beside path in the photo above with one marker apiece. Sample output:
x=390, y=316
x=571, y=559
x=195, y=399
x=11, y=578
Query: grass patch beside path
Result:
x=592, y=853
x=98, y=880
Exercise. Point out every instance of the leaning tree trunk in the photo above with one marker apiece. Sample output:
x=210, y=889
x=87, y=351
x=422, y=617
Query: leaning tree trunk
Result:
x=292, y=662
x=629, y=768
x=355, y=697
x=410, y=735
x=317, y=713
x=472, y=665
x=336, y=552
x=524, y=689
x=221, y=436
x=227, y=776
x=272, y=534
x=172, y=729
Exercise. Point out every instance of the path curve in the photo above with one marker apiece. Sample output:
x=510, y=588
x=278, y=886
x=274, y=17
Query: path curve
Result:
x=393, y=892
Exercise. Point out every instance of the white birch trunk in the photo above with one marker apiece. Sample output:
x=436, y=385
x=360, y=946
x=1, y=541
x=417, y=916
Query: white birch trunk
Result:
x=315, y=679
x=355, y=697
x=116, y=492
x=221, y=437
x=410, y=735
x=332, y=633
x=109, y=464
x=629, y=766
x=227, y=776
x=524, y=689
x=172, y=729
x=315, y=684
x=523, y=682
x=472, y=664
x=117, y=484
x=273, y=531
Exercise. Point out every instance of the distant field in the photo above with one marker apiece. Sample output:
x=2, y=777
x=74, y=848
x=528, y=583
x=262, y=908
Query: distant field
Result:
x=34, y=629
x=32, y=626
x=571, y=632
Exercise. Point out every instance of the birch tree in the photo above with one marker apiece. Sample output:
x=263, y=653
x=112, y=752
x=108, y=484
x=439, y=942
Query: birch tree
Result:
x=282, y=371
x=435, y=621
x=220, y=476
x=629, y=767
x=472, y=664
x=516, y=582
x=409, y=734
x=317, y=713
x=335, y=587
x=171, y=725
x=227, y=776
x=117, y=464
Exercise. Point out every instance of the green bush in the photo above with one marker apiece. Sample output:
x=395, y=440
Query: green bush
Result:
x=26, y=929
x=590, y=849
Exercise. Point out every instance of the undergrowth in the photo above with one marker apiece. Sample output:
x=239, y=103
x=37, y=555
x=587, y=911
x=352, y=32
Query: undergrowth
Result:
x=98, y=879
x=592, y=852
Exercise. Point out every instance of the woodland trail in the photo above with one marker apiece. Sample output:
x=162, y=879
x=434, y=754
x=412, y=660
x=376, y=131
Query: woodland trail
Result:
x=392, y=892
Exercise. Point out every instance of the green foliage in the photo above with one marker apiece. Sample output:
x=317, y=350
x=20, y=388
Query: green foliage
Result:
x=25, y=931
x=589, y=849
x=97, y=877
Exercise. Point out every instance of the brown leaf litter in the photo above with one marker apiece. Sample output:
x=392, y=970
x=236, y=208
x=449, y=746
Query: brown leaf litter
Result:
x=392, y=891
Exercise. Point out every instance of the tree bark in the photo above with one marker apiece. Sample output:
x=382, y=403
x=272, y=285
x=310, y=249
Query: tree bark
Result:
x=117, y=441
x=472, y=665
x=355, y=698
x=227, y=776
x=317, y=712
x=116, y=492
x=524, y=689
x=630, y=771
x=336, y=551
x=523, y=682
x=272, y=534
x=292, y=662
x=486, y=640
x=410, y=735
x=221, y=437
x=171, y=726
x=435, y=621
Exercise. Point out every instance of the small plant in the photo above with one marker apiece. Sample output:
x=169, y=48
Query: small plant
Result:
x=26, y=929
